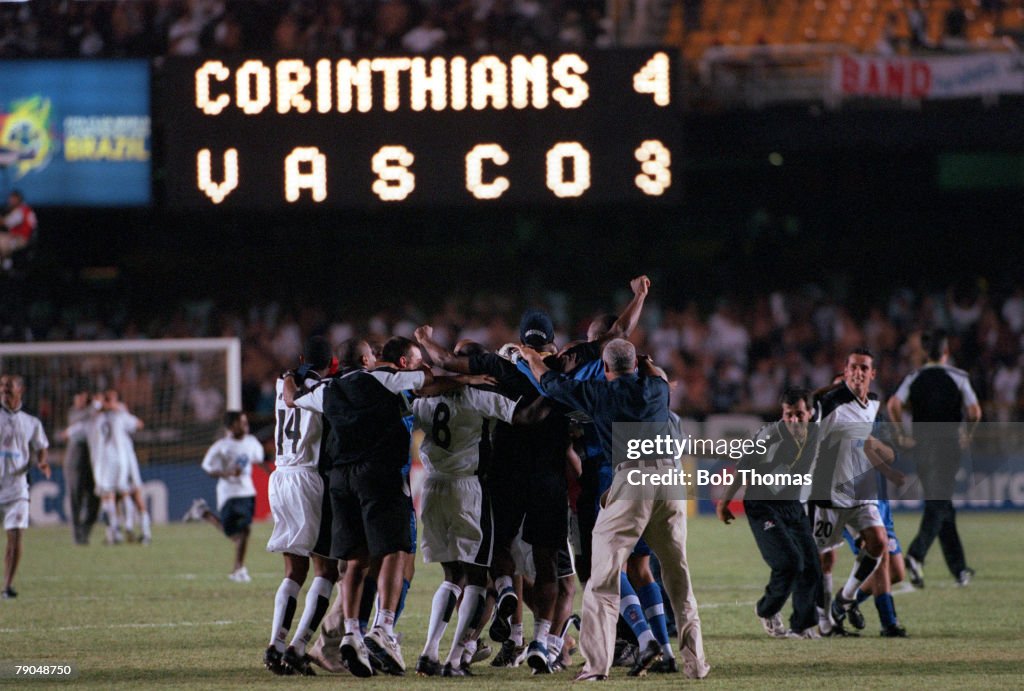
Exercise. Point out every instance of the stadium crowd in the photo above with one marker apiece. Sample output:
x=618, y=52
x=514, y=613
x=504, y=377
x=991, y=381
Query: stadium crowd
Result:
x=733, y=356
x=179, y=27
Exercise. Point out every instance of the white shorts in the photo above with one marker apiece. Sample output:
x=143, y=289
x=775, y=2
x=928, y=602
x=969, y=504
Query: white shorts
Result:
x=15, y=514
x=829, y=523
x=296, y=499
x=114, y=475
x=455, y=525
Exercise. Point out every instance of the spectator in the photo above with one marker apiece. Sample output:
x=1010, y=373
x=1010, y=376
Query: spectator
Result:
x=19, y=228
x=954, y=27
x=425, y=37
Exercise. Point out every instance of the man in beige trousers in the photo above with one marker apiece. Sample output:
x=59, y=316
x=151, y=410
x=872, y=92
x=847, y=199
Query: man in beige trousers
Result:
x=631, y=508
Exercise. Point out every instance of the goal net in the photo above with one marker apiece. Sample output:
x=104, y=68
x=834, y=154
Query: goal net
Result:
x=179, y=388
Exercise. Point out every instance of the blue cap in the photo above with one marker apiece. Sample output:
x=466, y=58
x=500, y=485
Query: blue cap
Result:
x=536, y=329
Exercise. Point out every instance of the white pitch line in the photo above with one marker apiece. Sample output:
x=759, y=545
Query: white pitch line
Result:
x=153, y=625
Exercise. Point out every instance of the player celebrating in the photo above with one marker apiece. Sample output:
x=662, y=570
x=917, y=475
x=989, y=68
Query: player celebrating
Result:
x=778, y=521
x=456, y=518
x=302, y=517
x=844, y=489
x=20, y=435
x=115, y=466
x=230, y=460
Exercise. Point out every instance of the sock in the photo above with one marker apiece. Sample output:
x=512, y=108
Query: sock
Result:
x=110, y=508
x=503, y=583
x=654, y=611
x=386, y=620
x=629, y=608
x=886, y=609
x=554, y=646
x=401, y=599
x=129, y=514
x=367, y=602
x=862, y=568
x=862, y=595
x=441, y=609
x=824, y=623
x=517, y=634
x=474, y=598
x=147, y=525
x=541, y=628
x=284, y=610
x=317, y=600
x=355, y=627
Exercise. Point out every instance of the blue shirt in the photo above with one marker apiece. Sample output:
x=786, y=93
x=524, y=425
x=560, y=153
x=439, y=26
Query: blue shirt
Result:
x=628, y=398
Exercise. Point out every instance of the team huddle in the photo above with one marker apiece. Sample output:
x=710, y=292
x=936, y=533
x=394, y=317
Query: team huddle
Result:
x=524, y=491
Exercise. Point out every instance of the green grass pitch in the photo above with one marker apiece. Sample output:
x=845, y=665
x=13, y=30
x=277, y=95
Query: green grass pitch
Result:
x=167, y=616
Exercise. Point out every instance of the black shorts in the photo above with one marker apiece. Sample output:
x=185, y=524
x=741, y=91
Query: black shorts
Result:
x=322, y=547
x=536, y=501
x=236, y=514
x=371, y=505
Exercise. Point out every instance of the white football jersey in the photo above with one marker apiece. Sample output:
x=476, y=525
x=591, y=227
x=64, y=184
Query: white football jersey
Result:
x=226, y=453
x=20, y=434
x=108, y=434
x=844, y=423
x=452, y=423
x=297, y=432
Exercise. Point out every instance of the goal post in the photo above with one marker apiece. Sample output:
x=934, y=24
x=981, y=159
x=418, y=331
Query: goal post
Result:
x=180, y=388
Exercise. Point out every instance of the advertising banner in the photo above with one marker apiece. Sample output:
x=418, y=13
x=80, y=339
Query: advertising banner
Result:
x=938, y=77
x=76, y=132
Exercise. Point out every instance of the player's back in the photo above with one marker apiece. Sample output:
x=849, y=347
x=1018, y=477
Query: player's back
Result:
x=297, y=432
x=452, y=424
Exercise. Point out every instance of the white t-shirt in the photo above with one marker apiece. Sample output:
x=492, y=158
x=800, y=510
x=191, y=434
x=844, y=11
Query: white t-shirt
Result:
x=297, y=432
x=452, y=424
x=108, y=434
x=20, y=434
x=226, y=453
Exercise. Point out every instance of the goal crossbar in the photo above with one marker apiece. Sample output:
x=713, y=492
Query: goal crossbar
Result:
x=232, y=347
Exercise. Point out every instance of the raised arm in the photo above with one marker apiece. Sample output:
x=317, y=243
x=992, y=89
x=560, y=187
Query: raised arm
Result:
x=439, y=355
x=627, y=321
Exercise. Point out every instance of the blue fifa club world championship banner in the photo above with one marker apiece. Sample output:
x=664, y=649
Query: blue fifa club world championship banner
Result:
x=76, y=133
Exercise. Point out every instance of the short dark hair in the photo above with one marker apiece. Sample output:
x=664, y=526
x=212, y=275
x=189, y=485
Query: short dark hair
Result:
x=603, y=324
x=231, y=417
x=396, y=348
x=470, y=349
x=318, y=352
x=18, y=194
x=862, y=351
x=351, y=352
x=794, y=394
x=935, y=344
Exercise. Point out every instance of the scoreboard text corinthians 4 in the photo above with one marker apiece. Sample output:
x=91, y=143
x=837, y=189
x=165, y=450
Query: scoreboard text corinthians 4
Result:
x=596, y=127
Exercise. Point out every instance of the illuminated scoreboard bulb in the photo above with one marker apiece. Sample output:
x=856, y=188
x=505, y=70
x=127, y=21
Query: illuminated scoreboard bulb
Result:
x=475, y=171
x=292, y=77
x=555, y=169
x=655, y=160
x=211, y=69
x=394, y=179
x=252, y=104
x=314, y=179
x=217, y=191
x=653, y=79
